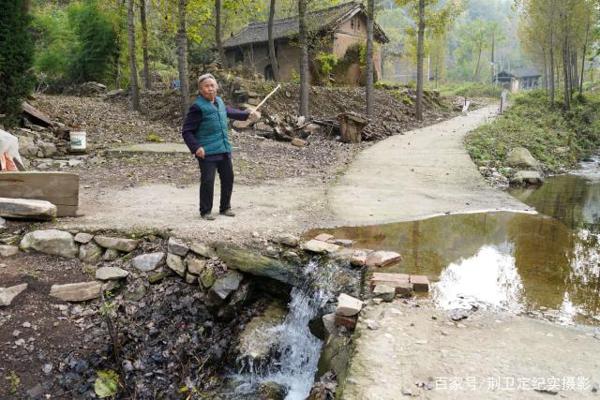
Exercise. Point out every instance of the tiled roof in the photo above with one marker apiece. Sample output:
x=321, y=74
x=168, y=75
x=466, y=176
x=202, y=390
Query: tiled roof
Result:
x=323, y=19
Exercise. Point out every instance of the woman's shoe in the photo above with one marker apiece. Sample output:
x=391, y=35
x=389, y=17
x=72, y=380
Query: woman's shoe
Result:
x=228, y=213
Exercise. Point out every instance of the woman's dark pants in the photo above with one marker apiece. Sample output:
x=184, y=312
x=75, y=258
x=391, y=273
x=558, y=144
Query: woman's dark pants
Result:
x=207, y=183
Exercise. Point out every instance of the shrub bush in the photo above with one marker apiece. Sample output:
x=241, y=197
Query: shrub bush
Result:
x=16, y=58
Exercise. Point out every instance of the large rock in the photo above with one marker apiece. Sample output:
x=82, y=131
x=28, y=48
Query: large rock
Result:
x=348, y=306
x=110, y=255
x=27, y=209
x=317, y=246
x=176, y=264
x=83, y=237
x=527, y=178
x=384, y=292
x=90, y=253
x=8, y=294
x=48, y=149
x=195, y=265
x=121, y=244
x=258, y=338
x=81, y=291
x=27, y=146
x=8, y=250
x=208, y=277
x=110, y=273
x=382, y=258
x=148, y=262
x=287, y=239
x=177, y=247
x=520, y=157
x=256, y=264
x=50, y=241
x=202, y=249
x=226, y=284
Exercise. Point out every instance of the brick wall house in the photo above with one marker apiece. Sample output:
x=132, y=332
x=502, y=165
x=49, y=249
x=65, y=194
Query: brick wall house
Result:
x=336, y=29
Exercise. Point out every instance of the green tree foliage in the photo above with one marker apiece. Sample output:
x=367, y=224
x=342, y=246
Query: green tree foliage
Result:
x=16, y=58
x=54, y=43
x=558, y=35
x=97, y=49
x=76, y=43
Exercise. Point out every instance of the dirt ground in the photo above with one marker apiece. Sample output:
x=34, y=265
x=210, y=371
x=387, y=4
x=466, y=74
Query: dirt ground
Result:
x=36, y=330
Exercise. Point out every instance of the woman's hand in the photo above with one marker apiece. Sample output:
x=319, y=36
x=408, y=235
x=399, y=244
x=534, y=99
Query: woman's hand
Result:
x=254, y=116
x=200, y=153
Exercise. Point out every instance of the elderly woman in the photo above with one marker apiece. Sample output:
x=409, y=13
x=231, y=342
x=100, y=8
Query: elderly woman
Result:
x=205, y=132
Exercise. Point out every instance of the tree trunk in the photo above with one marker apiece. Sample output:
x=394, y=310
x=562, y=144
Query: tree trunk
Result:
x=147, y=81
x=476, y=75
x=369, y=88
x=182, y=63
x=493, y=48
x=382, y=64
x=304, y=72
x=420, y=56
x=584, y=51
x=135, y=91
x=574, y=71
x=545, y=70
x=272, y=53
x=218, y=33
x=567, y=94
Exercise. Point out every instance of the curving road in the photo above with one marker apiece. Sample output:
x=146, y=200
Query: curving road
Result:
x=423, y=173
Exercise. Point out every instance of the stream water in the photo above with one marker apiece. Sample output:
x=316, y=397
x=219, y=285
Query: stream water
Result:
x=545, y=265
x=297, y=348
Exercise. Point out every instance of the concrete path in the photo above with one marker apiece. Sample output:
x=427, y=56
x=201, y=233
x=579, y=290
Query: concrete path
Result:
x=151, y=148
x=423, y=173
x=419, y=353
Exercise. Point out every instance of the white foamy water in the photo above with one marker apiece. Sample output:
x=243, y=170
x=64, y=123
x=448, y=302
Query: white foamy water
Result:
x=299, y=349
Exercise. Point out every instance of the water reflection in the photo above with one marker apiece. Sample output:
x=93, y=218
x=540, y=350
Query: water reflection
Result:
x=517, y=262
x=573, y=199
x=488, y=278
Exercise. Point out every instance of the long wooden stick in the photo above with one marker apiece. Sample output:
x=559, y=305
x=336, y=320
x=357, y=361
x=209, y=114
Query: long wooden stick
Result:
x=267, y=97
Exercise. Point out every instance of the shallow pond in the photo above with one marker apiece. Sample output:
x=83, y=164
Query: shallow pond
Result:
x=545, y=265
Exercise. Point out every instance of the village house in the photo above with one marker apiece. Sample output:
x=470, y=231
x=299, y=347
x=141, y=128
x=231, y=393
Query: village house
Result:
x=519, y=79
x=336, y=29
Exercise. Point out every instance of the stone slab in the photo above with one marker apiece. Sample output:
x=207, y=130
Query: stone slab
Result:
x=76, y=292
x=27, y=209
x=58, y=188
x=348, y=306
x=7, y=295
x=167, y=148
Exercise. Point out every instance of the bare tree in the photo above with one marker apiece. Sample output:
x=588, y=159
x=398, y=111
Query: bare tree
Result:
x=135, y=90
x=272, y=54
x=182, y=63
x=420, y=56
x=147, y=81
x=304, y=72
x=369, y=88
x=218, y=28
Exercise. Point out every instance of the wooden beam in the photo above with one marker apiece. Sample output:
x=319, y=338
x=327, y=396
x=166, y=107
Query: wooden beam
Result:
x=59, y=188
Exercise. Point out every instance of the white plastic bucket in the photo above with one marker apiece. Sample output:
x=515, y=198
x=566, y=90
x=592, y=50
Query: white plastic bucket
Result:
x=78, y=141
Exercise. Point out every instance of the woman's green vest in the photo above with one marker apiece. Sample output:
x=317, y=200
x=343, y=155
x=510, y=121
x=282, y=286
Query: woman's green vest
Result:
x=212, y=131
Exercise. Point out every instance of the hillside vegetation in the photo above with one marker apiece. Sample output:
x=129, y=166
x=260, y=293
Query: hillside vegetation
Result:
x=556, y=138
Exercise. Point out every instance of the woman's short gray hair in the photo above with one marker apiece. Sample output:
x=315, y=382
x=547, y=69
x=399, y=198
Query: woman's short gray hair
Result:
x=204, y=77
